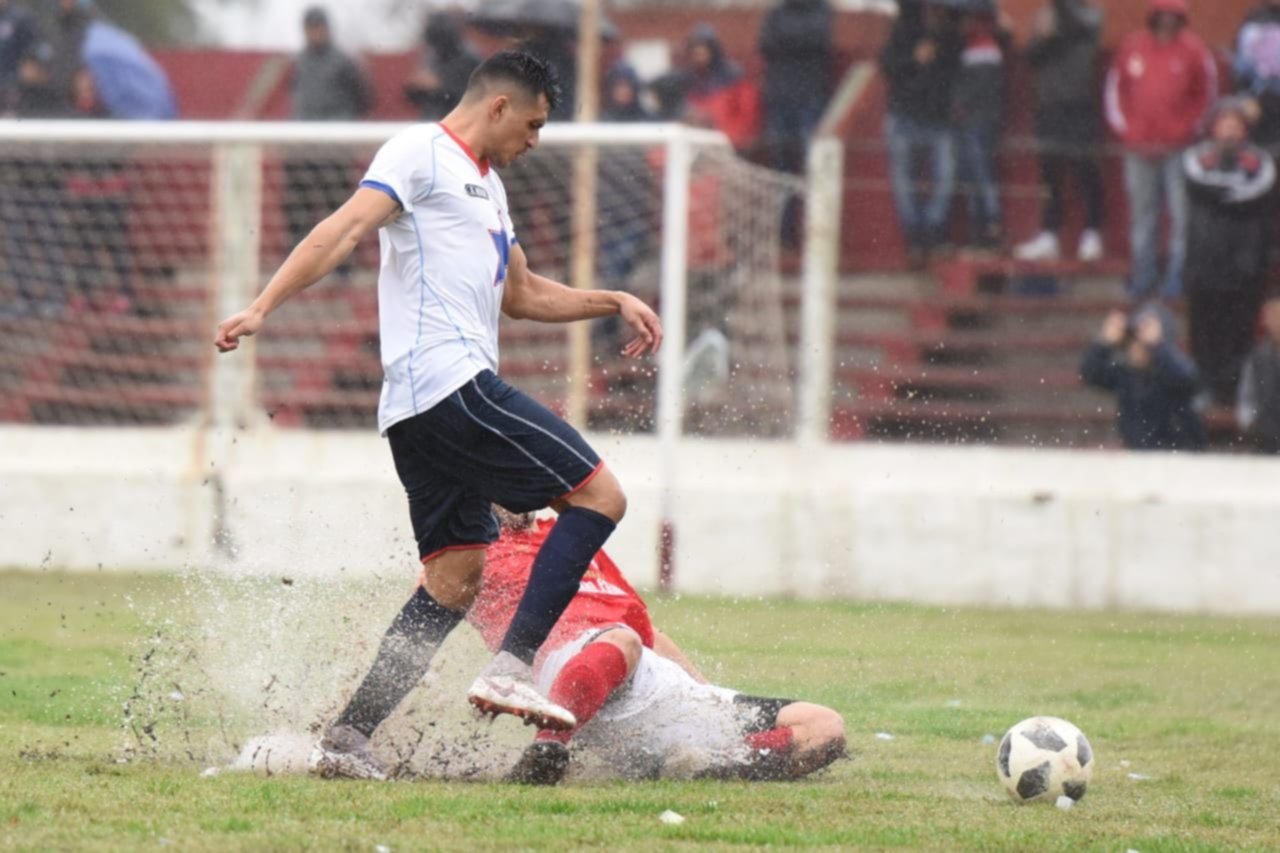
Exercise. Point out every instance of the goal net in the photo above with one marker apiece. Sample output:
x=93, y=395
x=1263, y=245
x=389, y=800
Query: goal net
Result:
x=122, y=244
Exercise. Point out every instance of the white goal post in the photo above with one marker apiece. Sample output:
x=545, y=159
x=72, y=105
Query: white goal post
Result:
x=181, y=223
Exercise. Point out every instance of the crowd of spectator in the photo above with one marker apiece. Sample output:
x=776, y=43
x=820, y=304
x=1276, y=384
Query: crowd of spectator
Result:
x=1198, y=175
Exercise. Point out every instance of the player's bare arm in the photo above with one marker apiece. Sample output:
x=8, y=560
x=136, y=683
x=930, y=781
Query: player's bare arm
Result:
x=666, y=647
x=329, y=244
x=529, y=296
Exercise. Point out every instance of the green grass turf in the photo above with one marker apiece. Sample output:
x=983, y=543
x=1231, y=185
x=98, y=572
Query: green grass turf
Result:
x=1190, y=702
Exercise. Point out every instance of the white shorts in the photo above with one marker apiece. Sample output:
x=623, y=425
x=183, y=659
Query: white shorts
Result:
x=660, y=722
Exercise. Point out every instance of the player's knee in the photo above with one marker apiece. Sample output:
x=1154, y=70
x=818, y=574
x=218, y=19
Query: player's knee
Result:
x=453, y=578
x=626, y=641
x=603, y=495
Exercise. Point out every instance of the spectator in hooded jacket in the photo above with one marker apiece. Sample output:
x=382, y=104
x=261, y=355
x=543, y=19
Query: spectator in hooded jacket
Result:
x=327, y=85
x=795, y=43
x=437, y=84
x=1155, y=384
x=1230, y=182
x=1257, y=67
x=625, y=198
x=978, y=112
x=1162, y=82
x=1258, y=401
x=1063, y=54
x=920, y=63
x=19, y=38
x=716, y=91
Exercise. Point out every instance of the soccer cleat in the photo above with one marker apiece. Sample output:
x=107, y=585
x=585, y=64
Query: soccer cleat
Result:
x=544, y=762
x=1090, y=248
x=1044, y=247
x=506, y=687
x=344, y=753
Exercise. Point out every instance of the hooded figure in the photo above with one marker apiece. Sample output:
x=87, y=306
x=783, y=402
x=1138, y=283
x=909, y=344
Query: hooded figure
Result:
x=620, y=98
x=1162, y=82
x=447, y=62
x=716, y=91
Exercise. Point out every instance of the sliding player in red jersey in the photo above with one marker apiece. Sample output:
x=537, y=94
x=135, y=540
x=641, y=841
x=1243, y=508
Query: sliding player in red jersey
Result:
x=640, y=704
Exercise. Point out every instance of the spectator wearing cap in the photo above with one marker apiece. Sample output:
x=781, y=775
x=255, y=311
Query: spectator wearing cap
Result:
x=1257, y=67
x=1162, y=82
x=1155, y=384
x=326, y=85
x=1258, y=400
x=1063, y=54
x=1230, y=182
x=437, y=84
x=717, y=93
x=920, y=62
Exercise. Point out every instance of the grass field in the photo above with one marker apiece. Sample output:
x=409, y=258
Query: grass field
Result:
x=1182, y=712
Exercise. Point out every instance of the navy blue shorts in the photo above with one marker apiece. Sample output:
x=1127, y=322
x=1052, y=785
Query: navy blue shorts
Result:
x=485, y=443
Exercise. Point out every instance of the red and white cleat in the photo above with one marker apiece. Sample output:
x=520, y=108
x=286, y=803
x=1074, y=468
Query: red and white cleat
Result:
x=506, y=687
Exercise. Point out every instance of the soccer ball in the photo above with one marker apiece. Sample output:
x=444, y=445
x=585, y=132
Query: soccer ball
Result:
x=1044, y=758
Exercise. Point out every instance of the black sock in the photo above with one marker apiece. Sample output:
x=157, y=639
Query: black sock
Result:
x=557, y=570
x=403, y=658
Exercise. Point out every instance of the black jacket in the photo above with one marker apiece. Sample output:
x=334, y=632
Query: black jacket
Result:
x=1065, y=62
x=920, y=92
x=1154, y=406
x=795, y=41
x=1229, y=235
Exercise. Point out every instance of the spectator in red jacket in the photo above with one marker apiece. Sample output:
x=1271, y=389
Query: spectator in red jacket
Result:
x=717, y=92
x=1162, y=82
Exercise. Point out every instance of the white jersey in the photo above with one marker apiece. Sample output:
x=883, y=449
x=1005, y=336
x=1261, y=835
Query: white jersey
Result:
x=444, y=265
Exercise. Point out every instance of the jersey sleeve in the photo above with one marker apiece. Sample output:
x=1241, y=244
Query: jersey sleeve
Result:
x=404, y=168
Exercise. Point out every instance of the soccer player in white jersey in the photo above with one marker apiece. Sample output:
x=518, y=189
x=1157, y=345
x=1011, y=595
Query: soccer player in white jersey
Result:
x=460, y=437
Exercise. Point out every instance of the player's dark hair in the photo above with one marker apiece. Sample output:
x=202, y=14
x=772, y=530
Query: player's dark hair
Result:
x=528, y=72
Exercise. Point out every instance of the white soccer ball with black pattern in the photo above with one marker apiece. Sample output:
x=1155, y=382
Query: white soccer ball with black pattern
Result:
x=1044, y=758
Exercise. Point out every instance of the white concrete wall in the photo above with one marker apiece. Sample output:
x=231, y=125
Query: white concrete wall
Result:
x=912, y=523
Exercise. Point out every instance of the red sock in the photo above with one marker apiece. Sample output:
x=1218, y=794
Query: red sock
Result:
x=585, y=683
x=776, y=741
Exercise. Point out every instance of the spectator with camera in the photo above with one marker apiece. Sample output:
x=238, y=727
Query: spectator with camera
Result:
x=1230, y=182
x=1155, y=384
x=1258, y=402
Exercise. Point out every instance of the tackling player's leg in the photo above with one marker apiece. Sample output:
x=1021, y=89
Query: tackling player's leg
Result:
x=582, y=686
x=447, y=586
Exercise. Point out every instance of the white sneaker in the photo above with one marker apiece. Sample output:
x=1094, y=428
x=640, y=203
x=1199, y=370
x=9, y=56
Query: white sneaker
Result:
x=344, y=753
x=1044, y=247
x=1090, y=248
x=506, y=687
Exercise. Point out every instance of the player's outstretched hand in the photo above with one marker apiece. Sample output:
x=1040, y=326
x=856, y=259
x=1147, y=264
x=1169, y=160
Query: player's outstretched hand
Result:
x=644, y=322
x=235, y=327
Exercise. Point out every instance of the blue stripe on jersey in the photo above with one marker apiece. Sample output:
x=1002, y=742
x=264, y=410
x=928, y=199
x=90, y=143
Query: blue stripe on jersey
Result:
x=378, y=185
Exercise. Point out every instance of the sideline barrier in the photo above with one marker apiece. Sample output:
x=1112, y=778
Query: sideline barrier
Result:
x=980, y=526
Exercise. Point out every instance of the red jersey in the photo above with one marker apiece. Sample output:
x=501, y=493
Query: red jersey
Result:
x=604, y=597
x=1158, y=93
